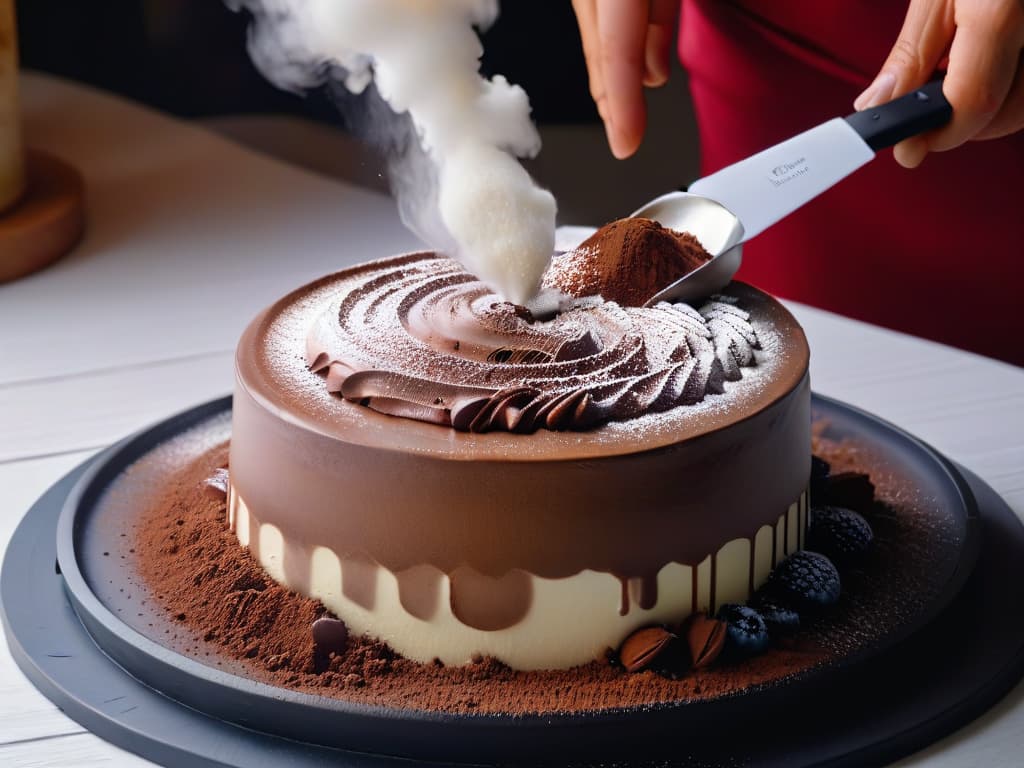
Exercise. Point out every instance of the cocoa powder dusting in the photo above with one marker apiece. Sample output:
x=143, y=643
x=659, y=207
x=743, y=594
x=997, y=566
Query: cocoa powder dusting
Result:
x=626, y=261
x=223, y=610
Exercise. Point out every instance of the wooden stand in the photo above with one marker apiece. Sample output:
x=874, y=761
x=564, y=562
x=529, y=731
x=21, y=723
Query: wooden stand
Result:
x=47, y=222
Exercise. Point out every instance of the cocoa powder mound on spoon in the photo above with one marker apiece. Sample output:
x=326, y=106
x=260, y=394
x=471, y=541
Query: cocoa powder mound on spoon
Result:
x=626, y=261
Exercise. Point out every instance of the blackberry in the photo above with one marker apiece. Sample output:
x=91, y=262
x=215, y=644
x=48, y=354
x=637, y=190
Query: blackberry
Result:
x=746, y=633
x=840, y=534
x=805, y=580
x=779, y=618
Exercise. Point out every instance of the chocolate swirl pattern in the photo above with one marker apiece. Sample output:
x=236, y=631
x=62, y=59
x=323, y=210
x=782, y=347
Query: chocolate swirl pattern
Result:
x=420, y=338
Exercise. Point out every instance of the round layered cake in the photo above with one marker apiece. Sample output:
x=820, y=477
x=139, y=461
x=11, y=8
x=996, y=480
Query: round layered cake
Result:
x=455, y=477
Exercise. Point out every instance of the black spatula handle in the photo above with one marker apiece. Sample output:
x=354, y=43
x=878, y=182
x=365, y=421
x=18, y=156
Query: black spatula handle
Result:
x=887, y=124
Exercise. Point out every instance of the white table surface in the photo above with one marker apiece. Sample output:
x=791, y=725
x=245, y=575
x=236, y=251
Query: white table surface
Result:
x=190, y=234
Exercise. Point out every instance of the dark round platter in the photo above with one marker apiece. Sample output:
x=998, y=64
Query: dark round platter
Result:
x=953, y=657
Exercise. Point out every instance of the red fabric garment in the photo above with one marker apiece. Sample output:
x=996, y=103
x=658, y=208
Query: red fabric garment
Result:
x=886, y=245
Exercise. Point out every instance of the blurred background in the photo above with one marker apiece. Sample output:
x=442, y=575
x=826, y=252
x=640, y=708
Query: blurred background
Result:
x=189, y=58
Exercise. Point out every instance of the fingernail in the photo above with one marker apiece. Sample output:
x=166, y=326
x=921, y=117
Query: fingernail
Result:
x=656, y=70
x=879, y=91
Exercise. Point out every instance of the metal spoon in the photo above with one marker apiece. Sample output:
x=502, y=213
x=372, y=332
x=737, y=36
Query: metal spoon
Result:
x=729, y=207
x=717, y=229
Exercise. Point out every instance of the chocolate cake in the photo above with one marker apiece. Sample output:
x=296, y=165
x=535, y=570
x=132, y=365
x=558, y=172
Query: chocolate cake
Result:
x=458, y=479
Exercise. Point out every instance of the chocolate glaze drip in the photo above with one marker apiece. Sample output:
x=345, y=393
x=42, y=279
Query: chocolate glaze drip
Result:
x=489, y=604
x=359, y=582
x=492, y=603
x=419, y=590
x=421, y=339
x=645, y=590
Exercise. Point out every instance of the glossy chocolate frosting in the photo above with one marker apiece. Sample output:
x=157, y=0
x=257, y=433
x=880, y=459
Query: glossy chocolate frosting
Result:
x=420, y=338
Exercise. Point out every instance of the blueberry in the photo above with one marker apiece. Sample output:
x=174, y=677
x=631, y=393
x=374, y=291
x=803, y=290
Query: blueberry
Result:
x=804, y=580
x=838, y=533
x=819, y=476
x=746, y=634
x=780, y=618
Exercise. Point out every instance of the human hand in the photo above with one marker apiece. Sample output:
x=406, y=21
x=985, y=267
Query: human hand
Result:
x=984, y=80
x=628, y=45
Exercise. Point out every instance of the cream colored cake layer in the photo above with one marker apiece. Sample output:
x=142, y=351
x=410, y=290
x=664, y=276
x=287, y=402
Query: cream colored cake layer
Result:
x=570, y=621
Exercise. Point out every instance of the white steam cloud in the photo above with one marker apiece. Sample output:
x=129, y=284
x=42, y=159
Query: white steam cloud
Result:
x=471, y=198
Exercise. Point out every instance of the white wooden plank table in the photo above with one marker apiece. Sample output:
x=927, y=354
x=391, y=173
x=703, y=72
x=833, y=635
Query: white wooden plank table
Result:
x=190, y=235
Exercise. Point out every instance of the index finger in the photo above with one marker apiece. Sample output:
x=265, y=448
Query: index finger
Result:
x=622, y=30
